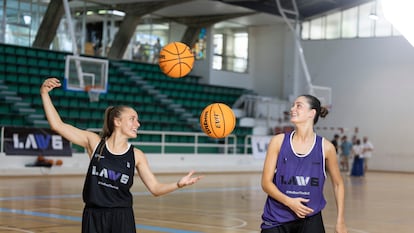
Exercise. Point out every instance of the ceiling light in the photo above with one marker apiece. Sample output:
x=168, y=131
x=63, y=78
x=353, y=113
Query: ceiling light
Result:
x=373, y=15
x=111, y=12
x=118, y=13
x=27, y=19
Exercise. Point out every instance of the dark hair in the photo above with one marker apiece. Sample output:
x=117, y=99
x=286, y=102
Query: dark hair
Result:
x=110, y=113
x=316, y=104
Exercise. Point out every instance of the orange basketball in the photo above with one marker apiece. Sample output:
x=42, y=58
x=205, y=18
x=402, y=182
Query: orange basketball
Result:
x=217, y=120
x=176, y=60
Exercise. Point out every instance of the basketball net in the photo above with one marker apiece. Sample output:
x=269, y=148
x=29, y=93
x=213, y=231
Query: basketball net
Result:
x=92, y=93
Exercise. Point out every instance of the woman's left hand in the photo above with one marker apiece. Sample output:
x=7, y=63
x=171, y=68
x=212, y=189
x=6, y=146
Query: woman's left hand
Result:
x=188, y=180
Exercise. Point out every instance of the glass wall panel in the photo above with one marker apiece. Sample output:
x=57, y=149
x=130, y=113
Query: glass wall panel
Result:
x=316, y=29
x=350, y=23
x=305, y=30
x=218, y=51
x=20, y=20
x=241, y=42
x=382, y=26
x=354, y=22
x=366, y=26
x=333, y=26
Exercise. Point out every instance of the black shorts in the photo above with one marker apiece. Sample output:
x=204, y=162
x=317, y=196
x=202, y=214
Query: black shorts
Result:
x=108, y=220
x=313, y=224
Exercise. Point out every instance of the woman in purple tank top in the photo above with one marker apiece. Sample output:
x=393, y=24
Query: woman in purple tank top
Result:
x=294, y=175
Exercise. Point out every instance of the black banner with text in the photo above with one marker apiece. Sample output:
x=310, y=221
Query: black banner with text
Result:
x=35, y=141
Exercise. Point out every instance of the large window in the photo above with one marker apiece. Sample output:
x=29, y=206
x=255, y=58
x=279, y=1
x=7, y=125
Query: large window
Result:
x=218, y=52
x=95, y=25
x=333, y=26
x=231, y=51
x=240, y=52
x=382, y=26
x=350, y=23
x=354, y=22
x=20, y=20
x=305, y=30
x=316, y=29
x=366, y=26
x=148, y=41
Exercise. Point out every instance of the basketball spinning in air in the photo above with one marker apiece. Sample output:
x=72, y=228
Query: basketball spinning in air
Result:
x=176, y=59
x=217, y=120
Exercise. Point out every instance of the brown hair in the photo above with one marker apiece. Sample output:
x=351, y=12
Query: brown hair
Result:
x=111, y=113
x=314, y=103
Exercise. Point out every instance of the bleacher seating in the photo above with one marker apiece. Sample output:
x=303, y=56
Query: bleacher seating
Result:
x=142, y=86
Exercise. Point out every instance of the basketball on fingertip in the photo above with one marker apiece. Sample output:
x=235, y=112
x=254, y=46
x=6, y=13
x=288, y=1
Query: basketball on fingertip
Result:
x=176, y=60
x=217, y=120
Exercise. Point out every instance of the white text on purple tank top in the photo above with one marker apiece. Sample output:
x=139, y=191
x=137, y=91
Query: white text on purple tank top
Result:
x=300, y=180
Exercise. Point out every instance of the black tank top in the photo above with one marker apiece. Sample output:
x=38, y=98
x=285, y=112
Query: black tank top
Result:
x=109, y=178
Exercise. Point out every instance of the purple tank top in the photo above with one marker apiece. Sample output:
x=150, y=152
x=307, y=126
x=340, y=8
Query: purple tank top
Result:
x=296, y=176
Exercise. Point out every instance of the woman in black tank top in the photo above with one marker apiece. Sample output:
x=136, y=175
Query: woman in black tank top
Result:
x=107, y=196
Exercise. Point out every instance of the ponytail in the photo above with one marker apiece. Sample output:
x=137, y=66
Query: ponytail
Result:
x=316, y=104
x=111, y=113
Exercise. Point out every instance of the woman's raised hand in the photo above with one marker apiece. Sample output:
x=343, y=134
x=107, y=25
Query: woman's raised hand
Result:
x=49, y=84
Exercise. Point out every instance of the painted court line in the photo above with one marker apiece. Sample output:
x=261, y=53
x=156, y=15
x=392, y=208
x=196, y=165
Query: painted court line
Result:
x=15, y=229
x=24, y=198
x=138, y=226
x=78, y=219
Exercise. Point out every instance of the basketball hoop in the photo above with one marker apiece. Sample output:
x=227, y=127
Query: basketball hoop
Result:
x=92, y=93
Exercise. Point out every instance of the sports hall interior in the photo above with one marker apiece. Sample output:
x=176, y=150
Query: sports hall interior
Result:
x=367, y=70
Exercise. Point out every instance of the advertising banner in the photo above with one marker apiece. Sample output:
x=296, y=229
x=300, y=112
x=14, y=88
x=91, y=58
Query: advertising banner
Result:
x=35, y=141
x=259, y=146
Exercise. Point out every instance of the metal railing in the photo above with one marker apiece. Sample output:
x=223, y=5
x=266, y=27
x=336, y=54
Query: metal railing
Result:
x=190, y=140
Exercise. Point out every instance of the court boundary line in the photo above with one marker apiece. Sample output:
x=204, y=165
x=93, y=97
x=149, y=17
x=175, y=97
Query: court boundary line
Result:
x=79, y=219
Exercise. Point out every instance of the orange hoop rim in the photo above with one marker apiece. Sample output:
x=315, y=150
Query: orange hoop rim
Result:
x=93, y=93
x=89, y=88
x=92, y=88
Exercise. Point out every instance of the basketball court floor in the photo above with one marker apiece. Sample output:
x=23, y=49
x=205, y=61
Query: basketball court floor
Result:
x=219, y=203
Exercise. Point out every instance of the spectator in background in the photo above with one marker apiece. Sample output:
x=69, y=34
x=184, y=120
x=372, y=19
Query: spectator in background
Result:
x=156, y=51
x=358, y=163
x=366, y=151
x=346, y=148
x=137, y=51
x=335, y=142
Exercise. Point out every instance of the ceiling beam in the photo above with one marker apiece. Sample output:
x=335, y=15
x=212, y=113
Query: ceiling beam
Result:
x=49, y=25
x=134, y=12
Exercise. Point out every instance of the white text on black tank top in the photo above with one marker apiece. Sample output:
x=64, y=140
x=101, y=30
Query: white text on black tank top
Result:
x=110, y=174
